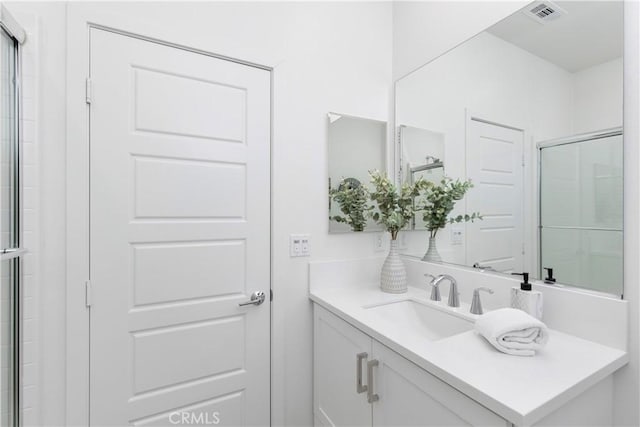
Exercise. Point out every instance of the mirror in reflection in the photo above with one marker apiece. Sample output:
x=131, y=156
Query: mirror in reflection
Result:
x=356, y=146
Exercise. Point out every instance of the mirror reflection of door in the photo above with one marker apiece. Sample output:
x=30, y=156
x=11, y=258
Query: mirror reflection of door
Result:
x=495, y=164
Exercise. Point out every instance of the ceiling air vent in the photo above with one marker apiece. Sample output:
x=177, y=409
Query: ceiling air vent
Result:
x=544, y=11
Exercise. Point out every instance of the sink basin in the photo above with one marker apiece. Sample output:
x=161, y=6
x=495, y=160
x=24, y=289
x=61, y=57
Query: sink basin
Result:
x=429, y=322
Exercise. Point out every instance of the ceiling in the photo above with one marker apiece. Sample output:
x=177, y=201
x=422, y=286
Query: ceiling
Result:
x=589, y=34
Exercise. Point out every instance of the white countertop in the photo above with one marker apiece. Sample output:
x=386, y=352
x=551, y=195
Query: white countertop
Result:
x=522, y=390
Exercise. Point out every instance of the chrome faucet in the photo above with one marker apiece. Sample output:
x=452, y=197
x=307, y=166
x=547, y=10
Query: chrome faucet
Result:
x=476, y=305
x=454, y=300
x=435, y=289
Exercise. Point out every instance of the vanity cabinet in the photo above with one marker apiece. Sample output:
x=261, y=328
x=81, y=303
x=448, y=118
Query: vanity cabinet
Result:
x=392, y=392
x=338, y=350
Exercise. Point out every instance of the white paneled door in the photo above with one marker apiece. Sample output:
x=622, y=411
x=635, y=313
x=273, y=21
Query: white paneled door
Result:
x=180, y=220
x=495, y=164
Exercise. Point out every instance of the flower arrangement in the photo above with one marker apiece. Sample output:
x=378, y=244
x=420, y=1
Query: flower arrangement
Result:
x=353, y=199
x=440, y=199
x=396, y=208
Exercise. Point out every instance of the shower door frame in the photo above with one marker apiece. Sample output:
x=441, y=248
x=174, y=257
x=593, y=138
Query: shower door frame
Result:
x=574, y=139
x=12, y=29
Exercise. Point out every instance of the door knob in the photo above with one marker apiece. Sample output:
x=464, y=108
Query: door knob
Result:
x=257, y=298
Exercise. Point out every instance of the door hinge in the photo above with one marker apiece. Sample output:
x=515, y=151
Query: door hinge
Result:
x=270, y=294
x=87, y=293
x=88, y=91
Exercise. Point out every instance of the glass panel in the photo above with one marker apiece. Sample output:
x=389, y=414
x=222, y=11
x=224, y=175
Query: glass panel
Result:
x=581, y=184
x=581, y=206
x=591, y=259
x=7, y=341
x=9, y=237
x=8, y=144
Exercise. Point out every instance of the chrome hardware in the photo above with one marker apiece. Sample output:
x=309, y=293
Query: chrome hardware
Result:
x=435, y=289
x=483, y=268
x=454, y=299
x=359, y=387
x=476, y=305
x=371, y=396
x=10, y=253
x=257, y=298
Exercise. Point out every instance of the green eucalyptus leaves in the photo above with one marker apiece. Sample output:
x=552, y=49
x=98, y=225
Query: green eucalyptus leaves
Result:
x=353, y=198
x=395, y=207
x=439, y=201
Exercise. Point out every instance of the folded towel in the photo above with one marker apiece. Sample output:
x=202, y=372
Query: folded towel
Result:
x=513, y=331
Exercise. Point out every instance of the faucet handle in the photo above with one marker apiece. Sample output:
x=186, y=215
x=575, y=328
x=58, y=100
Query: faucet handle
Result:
x=435, y=288
x=476, y=305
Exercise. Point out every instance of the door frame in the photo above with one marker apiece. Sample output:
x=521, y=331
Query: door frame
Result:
x=80, y=20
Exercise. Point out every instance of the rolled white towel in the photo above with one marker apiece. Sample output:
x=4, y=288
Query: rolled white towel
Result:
x=513, y=331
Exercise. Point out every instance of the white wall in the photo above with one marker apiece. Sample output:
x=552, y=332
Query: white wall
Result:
x=326, y=57
x=423, y=30
x=416, y=43
x=598, y=97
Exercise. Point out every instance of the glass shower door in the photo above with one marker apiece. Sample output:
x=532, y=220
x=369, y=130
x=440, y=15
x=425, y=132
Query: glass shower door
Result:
x=581, y=203
x=10, y=249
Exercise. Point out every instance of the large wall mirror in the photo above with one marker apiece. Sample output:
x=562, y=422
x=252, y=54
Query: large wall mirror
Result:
x=357, y=145
x=530, y=111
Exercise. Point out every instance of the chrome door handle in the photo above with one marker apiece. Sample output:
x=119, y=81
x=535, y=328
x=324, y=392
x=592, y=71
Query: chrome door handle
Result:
x=359, y=387
x=371, y=396
x=257, y=298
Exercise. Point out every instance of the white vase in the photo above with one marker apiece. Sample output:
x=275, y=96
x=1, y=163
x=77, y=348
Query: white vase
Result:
x=432, y=254
x=393, y=278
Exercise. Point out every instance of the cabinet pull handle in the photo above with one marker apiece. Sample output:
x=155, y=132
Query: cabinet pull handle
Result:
x=359, y=387
x=371, y=396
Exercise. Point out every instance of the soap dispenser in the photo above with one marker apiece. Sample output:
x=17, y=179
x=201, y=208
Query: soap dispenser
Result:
x=525, y=299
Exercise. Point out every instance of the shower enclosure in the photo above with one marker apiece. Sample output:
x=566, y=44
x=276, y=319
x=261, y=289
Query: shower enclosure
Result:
x=581, y=201
x=10, y=218
x=431, y=171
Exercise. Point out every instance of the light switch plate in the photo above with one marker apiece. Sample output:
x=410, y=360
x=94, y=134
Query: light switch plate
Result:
x=457, y=235
x=378, y=242
x=299, y=245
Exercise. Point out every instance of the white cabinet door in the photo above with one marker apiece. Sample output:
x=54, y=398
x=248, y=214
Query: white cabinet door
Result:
x=409, y=396
x=336, y=400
